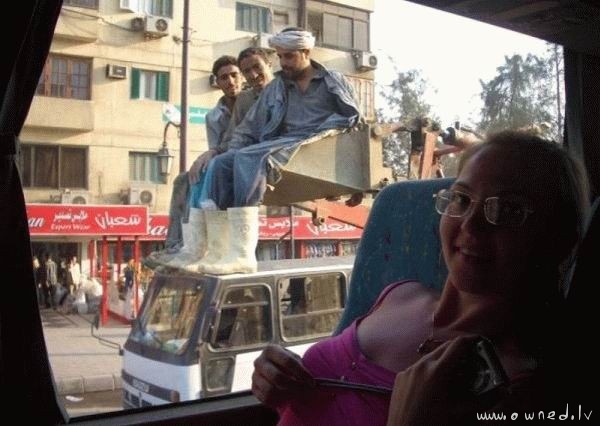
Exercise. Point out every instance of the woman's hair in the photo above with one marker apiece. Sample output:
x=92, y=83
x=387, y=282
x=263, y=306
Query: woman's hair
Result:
x=564, y=180
x=561, y=178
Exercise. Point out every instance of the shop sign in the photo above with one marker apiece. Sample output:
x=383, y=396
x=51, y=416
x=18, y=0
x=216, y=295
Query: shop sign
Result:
x=272, y=228
x=77, y=219
x=158, y=226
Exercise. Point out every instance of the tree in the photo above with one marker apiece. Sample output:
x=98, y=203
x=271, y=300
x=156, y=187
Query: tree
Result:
x=556, y=69
x=522, y=95
x=405, y=102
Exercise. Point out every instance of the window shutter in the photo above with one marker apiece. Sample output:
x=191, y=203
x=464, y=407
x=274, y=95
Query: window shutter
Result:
x=330, y=29
x=135, y=83
x=163, y=86
x=361, y=35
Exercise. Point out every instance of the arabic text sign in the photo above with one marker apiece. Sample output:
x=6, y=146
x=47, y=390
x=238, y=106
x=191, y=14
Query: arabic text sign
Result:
x=77, y=219
x=272, y=228
x=158, y=226
x=196, y=115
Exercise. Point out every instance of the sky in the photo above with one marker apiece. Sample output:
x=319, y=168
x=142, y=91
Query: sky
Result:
x=452, y=52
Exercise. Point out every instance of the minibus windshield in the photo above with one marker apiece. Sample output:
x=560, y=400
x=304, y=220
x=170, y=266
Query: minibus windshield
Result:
x=168, y=317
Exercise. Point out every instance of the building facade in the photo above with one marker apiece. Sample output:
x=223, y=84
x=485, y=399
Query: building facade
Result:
x=97, y=121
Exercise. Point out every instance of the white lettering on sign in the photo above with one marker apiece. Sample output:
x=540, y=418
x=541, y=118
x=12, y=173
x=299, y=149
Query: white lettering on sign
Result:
x=328, y=227
x=35, y=222
x=70, y=216
x=106, y=221
x=283, y=224
x=158, y=231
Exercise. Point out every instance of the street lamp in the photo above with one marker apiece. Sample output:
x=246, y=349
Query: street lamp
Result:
x=165, y=159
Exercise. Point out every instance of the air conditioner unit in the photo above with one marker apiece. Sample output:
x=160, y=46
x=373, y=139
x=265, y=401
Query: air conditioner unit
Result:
x=116, y=71
x=157, y=26
x=365, y=61
x=142, y=194
x=75, y=197
x=138, y=24
x=262, y=41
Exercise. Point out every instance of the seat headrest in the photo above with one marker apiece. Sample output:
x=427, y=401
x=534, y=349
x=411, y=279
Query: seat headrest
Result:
x=400, y=241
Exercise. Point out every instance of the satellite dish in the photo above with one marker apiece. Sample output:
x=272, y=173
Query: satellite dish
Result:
x=172, y=113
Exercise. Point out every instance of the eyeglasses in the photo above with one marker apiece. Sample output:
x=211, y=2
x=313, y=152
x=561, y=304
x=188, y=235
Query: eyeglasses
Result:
x=499, y=211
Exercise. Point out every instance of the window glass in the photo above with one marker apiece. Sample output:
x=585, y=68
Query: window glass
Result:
x=344, y=33
x=361, y=35
x=143, y=167
x=148, y=85
x=58, y=86
x=245, y=318
x=167, y=323
x=310, y=307
x=73, y=168
x=330, y=30
x=159, y=7
x=65, y=77
x=252, y=18
x=314, y=23
x=45, y=167
x=339, y=28
x=80, y=79
x=153, y=85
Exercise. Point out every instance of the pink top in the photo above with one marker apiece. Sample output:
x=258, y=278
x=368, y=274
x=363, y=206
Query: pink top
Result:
x=339, y=357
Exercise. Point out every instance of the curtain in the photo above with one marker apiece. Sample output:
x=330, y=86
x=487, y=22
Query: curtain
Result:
x=25, y=376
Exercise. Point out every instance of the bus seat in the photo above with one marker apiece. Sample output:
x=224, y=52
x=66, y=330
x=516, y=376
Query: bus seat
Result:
x=330, y=164
x=400, y=241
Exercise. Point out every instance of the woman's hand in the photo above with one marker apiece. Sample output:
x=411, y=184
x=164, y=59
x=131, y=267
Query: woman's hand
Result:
x=436, y=389
x=279, y=376
x=200, y=165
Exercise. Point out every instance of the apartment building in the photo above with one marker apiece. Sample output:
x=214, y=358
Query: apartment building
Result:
x=98, y=118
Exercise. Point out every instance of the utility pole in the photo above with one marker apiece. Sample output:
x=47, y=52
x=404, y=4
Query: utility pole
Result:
x=184, y=88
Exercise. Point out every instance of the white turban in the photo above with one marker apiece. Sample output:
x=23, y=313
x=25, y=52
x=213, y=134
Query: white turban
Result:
x=293, y=40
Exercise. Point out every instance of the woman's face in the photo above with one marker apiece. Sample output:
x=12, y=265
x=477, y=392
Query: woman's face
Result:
x=483, y=258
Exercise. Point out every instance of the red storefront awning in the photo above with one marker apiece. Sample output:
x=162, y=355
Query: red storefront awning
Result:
x=274, y=228
x=124, y=221
x=77, y=219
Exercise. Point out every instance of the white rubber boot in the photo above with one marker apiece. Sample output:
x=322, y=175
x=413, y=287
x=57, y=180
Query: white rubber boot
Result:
x=243, y=238
x=217, y=236
x=194, y=240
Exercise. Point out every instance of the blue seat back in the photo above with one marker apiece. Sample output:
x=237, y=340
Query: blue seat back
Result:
x=400, y=241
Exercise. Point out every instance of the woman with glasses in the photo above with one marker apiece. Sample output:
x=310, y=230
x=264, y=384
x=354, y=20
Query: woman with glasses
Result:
x=509, y=226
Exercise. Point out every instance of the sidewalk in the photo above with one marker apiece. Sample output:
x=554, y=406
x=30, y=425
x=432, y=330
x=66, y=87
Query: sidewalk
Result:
x=81, y=363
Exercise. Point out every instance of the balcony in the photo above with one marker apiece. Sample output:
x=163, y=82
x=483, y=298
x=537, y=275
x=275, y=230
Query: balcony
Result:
x=61, y=113
x=77, y=26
